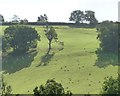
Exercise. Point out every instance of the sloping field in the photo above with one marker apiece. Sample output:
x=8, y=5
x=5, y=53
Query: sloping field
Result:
x=74, y=65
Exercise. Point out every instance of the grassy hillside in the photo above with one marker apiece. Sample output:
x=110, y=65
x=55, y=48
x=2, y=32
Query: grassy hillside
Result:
x=74, y=66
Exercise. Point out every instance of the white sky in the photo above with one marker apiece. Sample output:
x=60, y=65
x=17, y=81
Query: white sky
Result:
x=58, y=10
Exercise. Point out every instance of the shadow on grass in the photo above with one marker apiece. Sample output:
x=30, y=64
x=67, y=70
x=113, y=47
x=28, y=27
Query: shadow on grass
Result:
x=105, y=59
x=45, y=59
x=12, y=63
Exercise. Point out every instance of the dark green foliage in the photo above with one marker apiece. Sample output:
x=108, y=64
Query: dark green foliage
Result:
x=80, y=17
x=108, y=36
x=77, y=16
x=42, y=18
x=51, y=88
x=5, y=44
x=21, y=38
x=90, y=17
x=107, y=53
x=5, y=88
x=1, y=18
x=15, y=19
x=25, y=21
x=111, y=85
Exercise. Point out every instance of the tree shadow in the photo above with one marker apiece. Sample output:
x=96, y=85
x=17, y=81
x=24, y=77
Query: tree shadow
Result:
x=105, y=59
x=12, y=63
x=45, y=59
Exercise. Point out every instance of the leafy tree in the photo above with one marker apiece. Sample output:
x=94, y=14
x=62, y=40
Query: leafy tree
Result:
x=108, y=36
x=1, y=18
x=50, y=34
x=90, y=17
x=77, y=16
x=51, y=88
x=24, y=21
x=42, y=18
x=21, y=38
x=15, y=19
x=111, y=86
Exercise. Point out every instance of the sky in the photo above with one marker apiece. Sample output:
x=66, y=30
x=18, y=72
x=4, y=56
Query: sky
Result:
x=58, y=10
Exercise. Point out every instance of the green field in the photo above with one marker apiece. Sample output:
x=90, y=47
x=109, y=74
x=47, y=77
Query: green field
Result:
x=74, y=66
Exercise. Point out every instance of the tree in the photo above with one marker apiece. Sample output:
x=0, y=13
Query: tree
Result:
x=42, y=18
x=108, y=36
x=51, y=88
x=15, y=19
x=24, y=21
x=111, y=86
x=50, y=34
x=1, y=18
x=90, y=17
x=77, y=16
x=21, y=38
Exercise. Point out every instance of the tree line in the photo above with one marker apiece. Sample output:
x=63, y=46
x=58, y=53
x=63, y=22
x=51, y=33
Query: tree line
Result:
x=79, y=16
x=76, y=16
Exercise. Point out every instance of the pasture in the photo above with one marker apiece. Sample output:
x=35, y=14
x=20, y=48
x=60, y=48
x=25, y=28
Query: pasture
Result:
x=73, y=65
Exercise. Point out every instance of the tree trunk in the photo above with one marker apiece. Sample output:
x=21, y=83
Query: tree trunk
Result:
x=49, y=47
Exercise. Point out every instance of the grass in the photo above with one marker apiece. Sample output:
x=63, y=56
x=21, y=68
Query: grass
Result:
x=74, y=66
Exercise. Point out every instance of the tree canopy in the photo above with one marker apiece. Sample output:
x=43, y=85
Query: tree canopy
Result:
x=108, y=36
x=80, y=16
x=51, y=88
x=90, y=17
x=77, y=16
x=1, y=18
x=24, y=21
x=42, y=18
x=15, y=19
x=20, y=38
x=111, y=86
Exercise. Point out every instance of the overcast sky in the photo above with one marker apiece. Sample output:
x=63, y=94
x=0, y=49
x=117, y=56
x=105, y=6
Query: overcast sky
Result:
x=58, y=10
